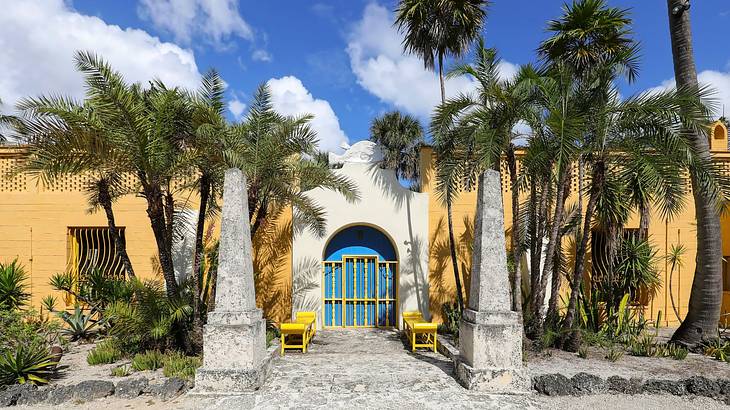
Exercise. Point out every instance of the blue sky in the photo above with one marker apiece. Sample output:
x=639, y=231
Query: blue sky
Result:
x=338, y=59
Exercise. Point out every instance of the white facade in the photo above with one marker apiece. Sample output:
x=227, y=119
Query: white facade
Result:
x=401, y=214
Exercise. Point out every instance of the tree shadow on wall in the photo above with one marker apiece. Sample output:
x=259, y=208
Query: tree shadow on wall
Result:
x=441, y=275
x=307, y=273
x=272, y=248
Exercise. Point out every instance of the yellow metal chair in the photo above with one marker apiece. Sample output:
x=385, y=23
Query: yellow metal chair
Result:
x=418, y=330
x=298, y=334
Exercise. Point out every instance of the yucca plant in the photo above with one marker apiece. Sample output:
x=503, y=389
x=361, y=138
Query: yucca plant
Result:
x=177, y=364
x=149, y=360
x=26, y=364
x=105, y=352
x=80, y=326
x=13, y=287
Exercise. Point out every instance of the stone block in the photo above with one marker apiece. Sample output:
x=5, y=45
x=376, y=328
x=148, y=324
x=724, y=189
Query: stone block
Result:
x=491, y=340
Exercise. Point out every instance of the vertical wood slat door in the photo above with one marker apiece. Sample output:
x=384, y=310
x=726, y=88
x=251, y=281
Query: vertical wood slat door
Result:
x=359, y=292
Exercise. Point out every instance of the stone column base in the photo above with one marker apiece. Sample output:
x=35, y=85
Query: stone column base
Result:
x=502, y=381
x=235, y=359
x=490, y=352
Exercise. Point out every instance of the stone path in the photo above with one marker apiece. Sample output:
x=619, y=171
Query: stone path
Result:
x=366, y=368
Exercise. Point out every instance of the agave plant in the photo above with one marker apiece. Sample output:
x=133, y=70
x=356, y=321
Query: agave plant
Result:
x=26, y=364
x=79, y=325
x=13, y=289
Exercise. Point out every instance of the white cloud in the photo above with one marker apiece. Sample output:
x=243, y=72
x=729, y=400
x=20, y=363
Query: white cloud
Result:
x=261, y=55
x=718, y=81
x=217, y=20
x=38, y=39
x=377, y=59
x=290, y=97
x=236, y=107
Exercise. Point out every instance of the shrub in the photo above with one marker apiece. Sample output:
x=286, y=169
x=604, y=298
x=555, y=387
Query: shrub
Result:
x=149, y=360
x=147, y=320
x=177, y=364
x=451, y=316
x=106, y=352
x=79, y=325
x=13, y=288
x=583, y=351
x=646, y=346
x=121, y=371
x=26, y=364
x=272, y=332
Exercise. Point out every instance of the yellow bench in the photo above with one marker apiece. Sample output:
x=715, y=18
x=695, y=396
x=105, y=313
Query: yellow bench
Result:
x=298, y=334
x=419, y=332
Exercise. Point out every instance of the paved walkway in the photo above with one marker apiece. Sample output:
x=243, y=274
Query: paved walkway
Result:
x=366, y=368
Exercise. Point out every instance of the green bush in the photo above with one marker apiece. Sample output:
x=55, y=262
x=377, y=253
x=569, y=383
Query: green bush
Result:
x=106, y=352
x=645, y=346
x=26, y=364
x=677, y=352
x=13, y=287
x=177, y=364
x=583, y=351
x=149, y=360
x=451, y=316
x=718, y=349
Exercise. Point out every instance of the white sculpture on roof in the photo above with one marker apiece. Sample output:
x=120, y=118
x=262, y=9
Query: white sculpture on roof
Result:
x=362, y=152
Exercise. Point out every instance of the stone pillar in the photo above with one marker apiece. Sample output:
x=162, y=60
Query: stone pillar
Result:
x=234, y=339
x=490, y=333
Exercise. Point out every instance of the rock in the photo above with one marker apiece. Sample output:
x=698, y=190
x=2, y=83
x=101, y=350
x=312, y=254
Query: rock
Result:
x=59, y=394
x=702, y=386
x=585, y=383
x=93, y=389
x=724, y=386
x=620, y=385
x=553, y=385
x=32, y=397
x=131, y=388
x=675, y=387
x=10, y=394
x=171, y=388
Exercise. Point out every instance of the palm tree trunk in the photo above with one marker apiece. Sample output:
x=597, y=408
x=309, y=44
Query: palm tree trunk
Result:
x=156, y=214
x=705, y=299
x=572, y=339
x=644, y=219
x=556, y=278
x=197, y=261
x=552, y=248
x=454, y=261
x=105, y=199
x=516, y=246
x=441, y=78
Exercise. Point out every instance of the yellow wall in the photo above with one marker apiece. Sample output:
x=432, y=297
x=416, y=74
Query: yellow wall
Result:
x=34, y=220
x=663, y=234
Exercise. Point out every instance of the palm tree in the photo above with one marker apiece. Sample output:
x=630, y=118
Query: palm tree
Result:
x=435, y=29
x=473, y=131
x=148, y=127
x=278, y=154
x=400, y=136
x=706, y=297
x=65, y=137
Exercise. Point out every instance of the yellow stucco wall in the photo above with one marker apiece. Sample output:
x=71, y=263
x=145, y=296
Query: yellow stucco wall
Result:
x=34, y=220
x=663, y=234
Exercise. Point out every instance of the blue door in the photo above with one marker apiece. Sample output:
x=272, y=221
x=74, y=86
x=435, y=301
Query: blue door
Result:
x=359, y=281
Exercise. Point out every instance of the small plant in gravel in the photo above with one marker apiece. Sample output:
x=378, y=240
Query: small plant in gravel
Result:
x=149, y=360
x=177, y=364
x=677, y=352
x=613, y=354
x=718, y=349
x=645, y=346
x=121, y=371
x=583, y=351
x=105, y=352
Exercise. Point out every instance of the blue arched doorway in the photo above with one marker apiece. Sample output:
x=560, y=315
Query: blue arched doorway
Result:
x=360, y=267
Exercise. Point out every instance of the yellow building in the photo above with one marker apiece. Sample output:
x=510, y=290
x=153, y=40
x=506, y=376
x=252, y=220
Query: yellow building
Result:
x=384, y=254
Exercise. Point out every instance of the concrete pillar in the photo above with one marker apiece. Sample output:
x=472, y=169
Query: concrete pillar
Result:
x=490, y=333
x=234, y=339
